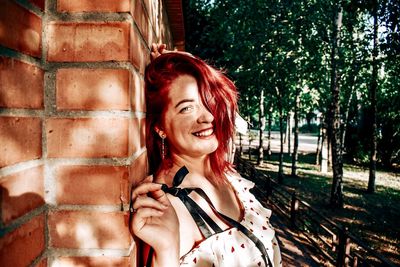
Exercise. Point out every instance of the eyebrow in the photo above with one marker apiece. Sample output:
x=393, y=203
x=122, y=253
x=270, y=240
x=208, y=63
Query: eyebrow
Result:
x=184, y=101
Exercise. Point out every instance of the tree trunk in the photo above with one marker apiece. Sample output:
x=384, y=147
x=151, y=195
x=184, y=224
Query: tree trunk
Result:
x=280, y=109
x=319, y=142
x=346, y=118
x=337, y=164
x=329, y=143
x=261, y=119
x=324, y=151
x=269, y=135
x=295, y=154
x=289, y=133
x=355, y=69
x=249, y=151
x=280, y=172
x=285, y=132
x=372, y=95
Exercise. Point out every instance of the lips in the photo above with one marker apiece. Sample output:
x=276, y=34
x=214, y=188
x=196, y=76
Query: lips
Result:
x=204, y=133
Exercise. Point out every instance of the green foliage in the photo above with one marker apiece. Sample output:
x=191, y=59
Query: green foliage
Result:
x=280, y=46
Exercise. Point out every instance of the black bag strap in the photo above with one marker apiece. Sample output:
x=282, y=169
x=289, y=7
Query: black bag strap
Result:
x=239, y=226
x=201, y=217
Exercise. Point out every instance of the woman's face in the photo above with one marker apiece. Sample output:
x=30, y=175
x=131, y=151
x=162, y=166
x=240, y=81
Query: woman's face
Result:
x=187, y=123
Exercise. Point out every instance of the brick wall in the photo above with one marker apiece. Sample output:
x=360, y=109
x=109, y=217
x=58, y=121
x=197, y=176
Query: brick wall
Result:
x=72, y=127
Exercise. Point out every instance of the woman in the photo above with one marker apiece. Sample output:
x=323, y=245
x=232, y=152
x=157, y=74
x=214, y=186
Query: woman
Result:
x=196, y=210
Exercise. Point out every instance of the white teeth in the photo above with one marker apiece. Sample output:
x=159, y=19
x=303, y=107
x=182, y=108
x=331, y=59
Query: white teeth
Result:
x=204, y=133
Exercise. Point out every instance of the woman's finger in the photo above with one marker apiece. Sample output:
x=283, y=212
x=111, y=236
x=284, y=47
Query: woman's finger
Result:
x=161, y=197
x=148, y=202
x=140, y=216
x=148, y=179
x=162, y=48
x=153, y=47
x=145, y=188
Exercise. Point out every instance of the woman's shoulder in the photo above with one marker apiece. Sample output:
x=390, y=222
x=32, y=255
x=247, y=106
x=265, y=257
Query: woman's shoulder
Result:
x=238, y=181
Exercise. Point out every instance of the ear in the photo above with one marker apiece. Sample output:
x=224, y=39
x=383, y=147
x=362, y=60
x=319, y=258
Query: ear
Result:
x=160, y=132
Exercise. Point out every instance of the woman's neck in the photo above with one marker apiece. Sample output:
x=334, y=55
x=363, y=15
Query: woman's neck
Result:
x=199, y=166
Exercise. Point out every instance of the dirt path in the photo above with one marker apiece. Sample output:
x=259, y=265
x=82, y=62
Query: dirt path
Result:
x=294, y=249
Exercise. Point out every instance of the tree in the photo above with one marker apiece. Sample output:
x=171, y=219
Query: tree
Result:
x=372, y=95
x=261, y=117
x=336, y=199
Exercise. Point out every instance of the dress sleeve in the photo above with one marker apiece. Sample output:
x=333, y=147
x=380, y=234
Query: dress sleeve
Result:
x=198, y=257
x=277, y=253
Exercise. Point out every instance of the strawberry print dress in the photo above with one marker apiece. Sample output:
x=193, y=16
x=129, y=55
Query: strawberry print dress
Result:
x=233, y=248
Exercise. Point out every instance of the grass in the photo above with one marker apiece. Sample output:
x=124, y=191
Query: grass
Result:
x=374, y=218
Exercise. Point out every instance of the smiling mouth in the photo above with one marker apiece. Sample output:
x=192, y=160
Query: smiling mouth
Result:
x=204, y=133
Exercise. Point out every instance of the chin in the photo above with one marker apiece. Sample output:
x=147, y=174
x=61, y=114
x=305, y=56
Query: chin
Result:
x=207, y=149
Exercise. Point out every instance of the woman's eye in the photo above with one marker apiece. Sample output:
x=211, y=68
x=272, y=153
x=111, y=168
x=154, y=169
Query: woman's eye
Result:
x=186, y=109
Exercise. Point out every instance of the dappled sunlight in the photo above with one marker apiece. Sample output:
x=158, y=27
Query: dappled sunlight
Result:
x=92, y=89
x=21, y=192
x=66, y=262
x=373, y=218
x=99, y=137
x=111, y=90
x=98, y=261
x=31, y=39
x=96, y=36
x=354, y=208
x=84, y=135
x=62, y=229
x=90, y=229
x=85, y=236
x=83, y=233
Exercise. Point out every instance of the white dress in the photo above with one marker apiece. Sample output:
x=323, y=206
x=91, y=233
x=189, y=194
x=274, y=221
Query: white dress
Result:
x=231, y=247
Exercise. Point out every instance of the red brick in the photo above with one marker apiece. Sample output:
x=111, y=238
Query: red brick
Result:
x=138, y=53
x=165, y=33
x=38, y=3
x=93, y=89
x=88, y=41
x=87, y=137
x=21, y=84
x=136, y=134
x=87, y=185
x=138, y=170
x=102, y=261
x=142, y=20
x=21, y=192
x=20, y=139
x=151, y=8
x=133, y=259
x=20, y=29
x=93, y=5
x=89, y=229
x=20, y=247
x=138, y=101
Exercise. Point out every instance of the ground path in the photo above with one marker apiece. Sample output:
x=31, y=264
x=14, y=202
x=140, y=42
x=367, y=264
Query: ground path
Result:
x=295, y=249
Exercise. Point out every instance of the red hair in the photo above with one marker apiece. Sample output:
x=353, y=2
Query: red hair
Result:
x=217, y=92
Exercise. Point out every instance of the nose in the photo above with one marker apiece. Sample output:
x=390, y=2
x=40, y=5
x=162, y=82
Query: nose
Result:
x=205, y=116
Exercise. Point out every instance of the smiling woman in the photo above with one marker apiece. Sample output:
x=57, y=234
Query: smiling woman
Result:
x=195, y=209
x=214, y=92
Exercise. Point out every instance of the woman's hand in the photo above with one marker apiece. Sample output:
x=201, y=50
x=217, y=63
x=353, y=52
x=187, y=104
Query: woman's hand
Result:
x=154, y=221
x=157, y=50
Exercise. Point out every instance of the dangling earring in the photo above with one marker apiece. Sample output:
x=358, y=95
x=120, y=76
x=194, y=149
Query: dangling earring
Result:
x=163, y=146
